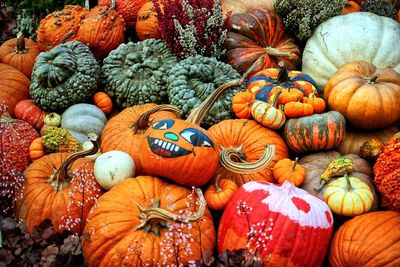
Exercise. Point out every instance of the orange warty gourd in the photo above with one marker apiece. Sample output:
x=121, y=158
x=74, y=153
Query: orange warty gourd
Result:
x=218, y=194
x=145, y=214
x=103, y=102
x=147, y=22
x=371, y=239
x=128, y=9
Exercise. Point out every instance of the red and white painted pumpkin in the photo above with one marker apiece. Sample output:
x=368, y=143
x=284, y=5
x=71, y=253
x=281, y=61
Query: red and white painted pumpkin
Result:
x=284, y=225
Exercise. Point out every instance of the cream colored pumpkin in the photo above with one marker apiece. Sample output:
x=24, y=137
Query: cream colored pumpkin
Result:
x=355, y=36
x=267, y=114
x=112, y=167
x=241, y=6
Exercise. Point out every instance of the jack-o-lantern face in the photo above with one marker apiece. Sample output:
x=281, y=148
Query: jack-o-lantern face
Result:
x=180, y=151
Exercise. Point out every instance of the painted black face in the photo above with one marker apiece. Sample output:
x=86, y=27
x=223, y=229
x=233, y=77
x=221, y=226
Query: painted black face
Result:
x=168, y=147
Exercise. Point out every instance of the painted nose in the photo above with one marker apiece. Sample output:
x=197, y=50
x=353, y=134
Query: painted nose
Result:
x=171, y=136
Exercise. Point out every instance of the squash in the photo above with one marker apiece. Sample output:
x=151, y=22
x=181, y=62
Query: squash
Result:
x=288, y=170
x=218, y=194
x=298, y=109
x=52, y=119
x=26, y=110
x=128, y=9
x=241, y=104
x=324, y=52
x=268, y=115
x=36, y=149
x=103, y=102
x=318, y=103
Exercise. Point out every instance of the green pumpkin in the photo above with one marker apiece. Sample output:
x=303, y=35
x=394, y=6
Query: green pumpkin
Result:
x=65, y=75
x=135, y=73
x=193, y=79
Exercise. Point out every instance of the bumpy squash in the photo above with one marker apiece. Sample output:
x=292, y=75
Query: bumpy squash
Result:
x=135, y=73
x=66, y=75
x=128, y=9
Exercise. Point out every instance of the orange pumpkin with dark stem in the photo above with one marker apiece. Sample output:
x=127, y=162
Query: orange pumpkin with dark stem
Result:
x=218, y=194
x=26, y=110
x=241, y=104
x=288, y=170
x=147, y=23
x=103, y=102
x=371, y=239
x=20, y=53
x=60, y=187
x=37, y=149
x=139, y=222
x=14, y=87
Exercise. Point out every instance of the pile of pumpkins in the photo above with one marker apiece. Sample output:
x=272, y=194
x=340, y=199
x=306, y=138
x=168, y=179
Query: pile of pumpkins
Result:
x=306, y=171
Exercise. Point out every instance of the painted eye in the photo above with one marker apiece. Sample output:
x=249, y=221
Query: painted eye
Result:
x=163, y=125
x=196, y=137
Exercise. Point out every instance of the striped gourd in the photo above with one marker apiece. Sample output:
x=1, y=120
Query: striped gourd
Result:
x=267, y=114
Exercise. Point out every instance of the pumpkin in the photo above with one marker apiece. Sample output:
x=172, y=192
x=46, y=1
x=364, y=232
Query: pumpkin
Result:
x=371, y=239
x=144, y=67
x=324, y=52
x=59, y=24
x=218, y=194
x=128, y=9
x=52, y=119
x=351, y=6
x=387, y=174
x=257, y=38
x=322, y=168
x=268, y=115
x=102, y=30
x=281, y=224
x=288, y=170
x=248, y=138
x=60, y=187
x=241, y=104
x=348, y=196
x=103, y=102
x=298, y=109
x=268, y=81
x=82, y=119
x=14, y=87
x=20, y=53
x=149, y=221
x=36, y=149
x=147, y=23
x=315, y=132
x=125, y=132
x=230, y=7
x=371, y=149
x=65, y=75
x=194, y=78
x=354, y=139
x=318, y=103
x=365, y=95
x=26, y=110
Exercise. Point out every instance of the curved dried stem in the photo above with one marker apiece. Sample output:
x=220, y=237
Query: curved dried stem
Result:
x=275, y=52
x=228, y=156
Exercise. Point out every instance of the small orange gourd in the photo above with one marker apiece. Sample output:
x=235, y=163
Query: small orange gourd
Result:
x=288, y=170
x=298, y=109
x=318, y=103
x=218, y=195
x=103, y=102
x=37, y=149
x=241, y=104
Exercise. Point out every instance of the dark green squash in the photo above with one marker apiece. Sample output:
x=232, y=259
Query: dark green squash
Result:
x=316, y=132
x=65, y=75
x=135, y=73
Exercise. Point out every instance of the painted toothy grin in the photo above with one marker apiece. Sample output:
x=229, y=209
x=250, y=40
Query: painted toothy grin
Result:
x=166, y=149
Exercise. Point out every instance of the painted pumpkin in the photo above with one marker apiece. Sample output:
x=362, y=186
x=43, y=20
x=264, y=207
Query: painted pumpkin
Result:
x=288, y=170
x=371, y=239
x=149, y=221
x=315, y=132
x=246, y=46
x=285, y=225
x=365, y=95
x=248, y=138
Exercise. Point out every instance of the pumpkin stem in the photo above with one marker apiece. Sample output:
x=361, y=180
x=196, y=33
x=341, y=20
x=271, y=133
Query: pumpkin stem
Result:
x=20, y=43
x=296, y=161
x=276, y=52
x=373, y=79
x=143, y=122
x=244, y=167
x=69, y=34
x=62, y=171
x=349, y=188
x=275, y=97
x=217, y=188
x=149, y=214
x=283, y=74
x=87, y=4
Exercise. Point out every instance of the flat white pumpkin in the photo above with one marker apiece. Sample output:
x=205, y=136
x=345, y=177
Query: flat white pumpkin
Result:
x=112, y=167
x=355, y=36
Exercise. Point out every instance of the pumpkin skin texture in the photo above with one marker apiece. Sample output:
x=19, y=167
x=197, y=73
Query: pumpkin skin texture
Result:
x=26, y=110
x=371, y=239
x=103, y=102
x=315, y=132
x=42, y=200
x=82, y=119
x=147, y=23
x=119, y=133
x=128, y=9
x=366, y=100
x=20, y=53
x=14, y=87
x=171, y=143
x=246, y=46
x=56, y=25
x=324, y=52
x=288, y=170
x=112, y=225
x=298, y=226
x=65, y=75
x=251, y=138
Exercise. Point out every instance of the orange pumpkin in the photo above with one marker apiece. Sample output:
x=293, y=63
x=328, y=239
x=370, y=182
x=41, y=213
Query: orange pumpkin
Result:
x=218, y=194
x=37, y=149
x=318, y=103
x=288, y=170
x=267, y=114
x=365, y=95
x=14, y=87
x=241, y=104
x=103, y=102
x=26, y=110
x=351, y=6
x=128, y=9
x=152, y=226
x=147, y=22
x=20, y=53
x=298, y=109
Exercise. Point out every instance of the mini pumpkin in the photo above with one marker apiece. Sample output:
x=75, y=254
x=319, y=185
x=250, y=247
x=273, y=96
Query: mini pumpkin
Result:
x=288, y=170
x=242, y=103
x=268, y=115
x=103, y=102
x=37, y=149
x=218, y=194
x=298, y=109
x=318, y=103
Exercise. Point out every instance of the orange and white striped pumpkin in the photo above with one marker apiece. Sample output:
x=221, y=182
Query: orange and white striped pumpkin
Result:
x=267, y=114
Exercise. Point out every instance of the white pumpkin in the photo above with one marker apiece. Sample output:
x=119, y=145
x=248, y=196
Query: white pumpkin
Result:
x=355, y=36
x=112, y=167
